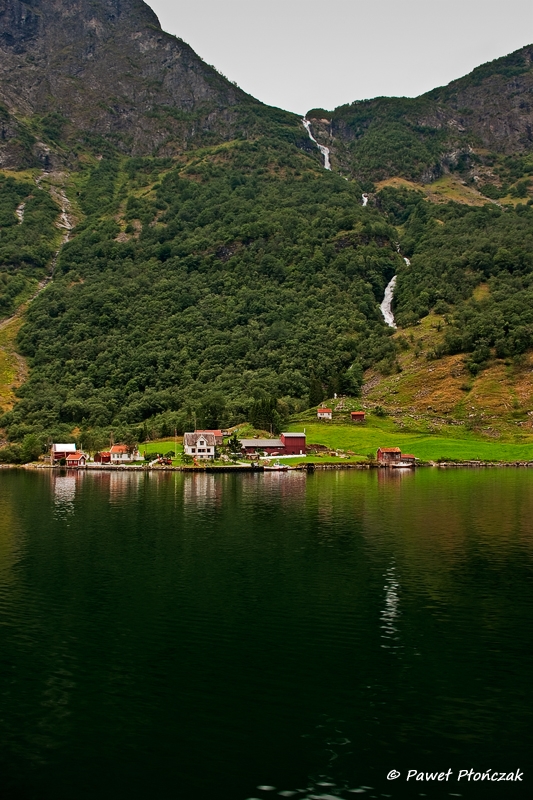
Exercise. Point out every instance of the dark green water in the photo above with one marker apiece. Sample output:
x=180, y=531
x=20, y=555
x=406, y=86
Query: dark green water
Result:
x=170, y=636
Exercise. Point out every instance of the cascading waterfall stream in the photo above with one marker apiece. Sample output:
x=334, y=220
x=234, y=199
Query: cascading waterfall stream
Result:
x=386, y=305
x=324, y=150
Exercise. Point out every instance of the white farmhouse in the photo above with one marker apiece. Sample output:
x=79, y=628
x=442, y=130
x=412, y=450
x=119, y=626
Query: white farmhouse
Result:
x=199, y=445
x=122, y=454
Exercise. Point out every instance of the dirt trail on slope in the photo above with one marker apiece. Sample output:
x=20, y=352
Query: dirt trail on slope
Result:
x=13, y=367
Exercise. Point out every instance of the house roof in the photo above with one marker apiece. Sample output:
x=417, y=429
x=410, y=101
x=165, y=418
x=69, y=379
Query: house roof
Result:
x=261, y=443
x=407, y=455
x=119, y=448
x=323, y=410
x=358, y=413
x=294, y=435
x=191, y=439
x=75, y=456
x=64, y=448
x=215, y=433
x=390, y=449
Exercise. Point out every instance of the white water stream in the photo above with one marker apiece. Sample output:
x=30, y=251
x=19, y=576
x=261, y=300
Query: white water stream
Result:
x=19, y=211
x=324, y=150
x=386, y=306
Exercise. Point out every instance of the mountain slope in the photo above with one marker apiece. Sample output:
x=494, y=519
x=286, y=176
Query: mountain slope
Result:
x=83, y=73
x=450, y=128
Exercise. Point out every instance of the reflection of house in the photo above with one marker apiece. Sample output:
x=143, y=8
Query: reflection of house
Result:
x=199, y=445
x=324, y=413
x=219, y=438
x=357, y=416
x=60, y=451
x=122, y=454
x=76, y=459
x=388, y=455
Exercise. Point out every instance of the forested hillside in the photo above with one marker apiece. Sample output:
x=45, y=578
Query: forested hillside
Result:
x=217, y=272
x=246, y=274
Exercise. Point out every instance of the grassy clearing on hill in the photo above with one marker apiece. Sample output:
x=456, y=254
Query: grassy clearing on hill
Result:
x=365, y=438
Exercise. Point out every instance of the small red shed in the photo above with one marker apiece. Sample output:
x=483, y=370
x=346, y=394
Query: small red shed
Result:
x=357, y=416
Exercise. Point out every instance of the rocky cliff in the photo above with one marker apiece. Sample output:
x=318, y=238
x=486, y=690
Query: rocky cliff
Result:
x=81, y=69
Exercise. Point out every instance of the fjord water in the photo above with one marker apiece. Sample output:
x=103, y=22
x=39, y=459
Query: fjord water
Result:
x=200, y=636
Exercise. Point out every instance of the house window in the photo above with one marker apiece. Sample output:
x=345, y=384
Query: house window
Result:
x=193, y=449
x=201, y=449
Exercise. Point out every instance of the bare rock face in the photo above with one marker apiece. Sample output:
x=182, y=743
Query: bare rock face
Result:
x=105, y=67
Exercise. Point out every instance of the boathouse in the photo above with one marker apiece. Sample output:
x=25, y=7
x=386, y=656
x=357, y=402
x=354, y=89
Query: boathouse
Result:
x=76, y=459
x=388, y=455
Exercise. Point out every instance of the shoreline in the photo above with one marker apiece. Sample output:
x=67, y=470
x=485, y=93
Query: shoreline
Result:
x=309, y=467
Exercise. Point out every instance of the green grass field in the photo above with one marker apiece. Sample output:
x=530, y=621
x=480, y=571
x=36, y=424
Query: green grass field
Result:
x=365, y=438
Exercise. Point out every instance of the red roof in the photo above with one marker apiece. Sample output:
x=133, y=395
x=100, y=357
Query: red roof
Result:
x=390, y=449
x=75, y=456
x=215, y=433
x=407, y=455
x=119, y=448
x=322, y=410
x=357, y=413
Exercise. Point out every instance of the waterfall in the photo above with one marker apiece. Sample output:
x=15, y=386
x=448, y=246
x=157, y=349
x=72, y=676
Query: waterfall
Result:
x=323, y=150
x=386, y=306
x=365, y=198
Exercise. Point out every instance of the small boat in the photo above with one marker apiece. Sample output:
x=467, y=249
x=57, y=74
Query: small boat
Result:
x=276, y=467
x=402, y=465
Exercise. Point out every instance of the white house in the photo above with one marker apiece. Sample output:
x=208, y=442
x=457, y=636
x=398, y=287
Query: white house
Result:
x=199, y=444
x=324, y=413
x=122, y=454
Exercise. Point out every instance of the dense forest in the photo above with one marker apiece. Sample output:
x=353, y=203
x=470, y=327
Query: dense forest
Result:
x=196, y=293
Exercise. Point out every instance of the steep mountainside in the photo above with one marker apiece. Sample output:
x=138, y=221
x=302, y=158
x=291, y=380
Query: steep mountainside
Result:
x=216, y=270
x=78, y=73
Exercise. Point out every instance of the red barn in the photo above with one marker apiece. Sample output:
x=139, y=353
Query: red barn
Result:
x=293, y=444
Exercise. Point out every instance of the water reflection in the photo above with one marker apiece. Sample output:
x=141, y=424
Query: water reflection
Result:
x=64, y=488
x=391, y=612
x=200, y=488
